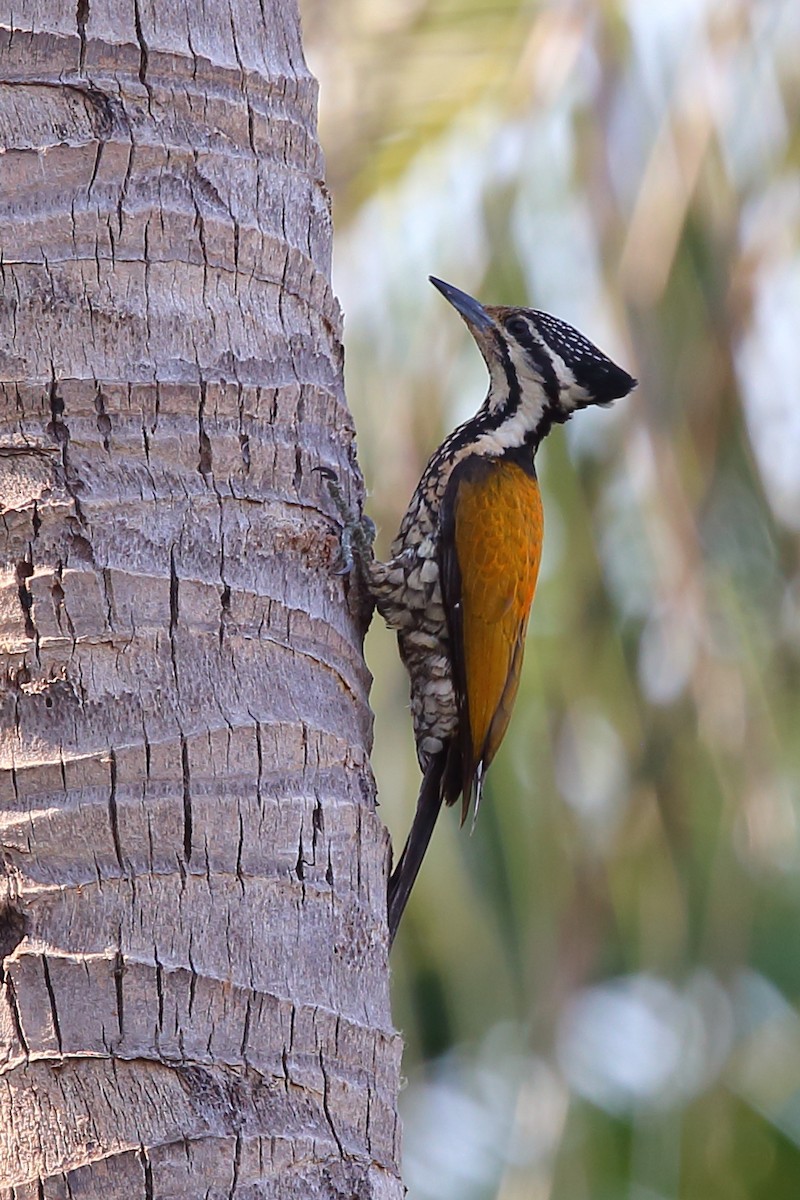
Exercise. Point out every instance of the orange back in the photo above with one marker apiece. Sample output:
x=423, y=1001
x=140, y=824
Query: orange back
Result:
x=499, y=526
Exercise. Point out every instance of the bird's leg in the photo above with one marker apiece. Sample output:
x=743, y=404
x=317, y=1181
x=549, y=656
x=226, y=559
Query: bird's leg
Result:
x=358, y=531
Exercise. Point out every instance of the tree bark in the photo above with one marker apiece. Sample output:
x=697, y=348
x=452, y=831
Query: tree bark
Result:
x=192, y=872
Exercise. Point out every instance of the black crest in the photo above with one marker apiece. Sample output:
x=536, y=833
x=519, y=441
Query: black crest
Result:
x=593, y=370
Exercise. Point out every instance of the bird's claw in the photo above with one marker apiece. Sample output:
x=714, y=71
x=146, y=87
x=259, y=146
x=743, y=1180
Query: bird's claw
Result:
x=346, y=551
x=358, y=532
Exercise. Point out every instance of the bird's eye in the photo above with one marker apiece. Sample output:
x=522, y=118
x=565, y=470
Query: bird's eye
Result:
x=518, y=328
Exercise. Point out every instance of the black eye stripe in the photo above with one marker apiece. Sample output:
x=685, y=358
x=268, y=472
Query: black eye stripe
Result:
x=513, y=395
x=522, y=333
x=524, y=336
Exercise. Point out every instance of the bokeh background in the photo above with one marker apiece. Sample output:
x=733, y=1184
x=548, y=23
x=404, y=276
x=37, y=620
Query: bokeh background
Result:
x=599, y=988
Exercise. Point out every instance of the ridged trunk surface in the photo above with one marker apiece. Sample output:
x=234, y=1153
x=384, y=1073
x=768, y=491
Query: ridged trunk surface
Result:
x=192, y=873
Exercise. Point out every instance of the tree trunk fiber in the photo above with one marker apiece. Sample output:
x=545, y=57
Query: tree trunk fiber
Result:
x=192, y=873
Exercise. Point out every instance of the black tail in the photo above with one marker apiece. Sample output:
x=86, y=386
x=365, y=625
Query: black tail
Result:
x=401, y=881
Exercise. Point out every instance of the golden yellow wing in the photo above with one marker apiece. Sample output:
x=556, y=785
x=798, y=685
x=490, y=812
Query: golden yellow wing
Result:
x=491, y=557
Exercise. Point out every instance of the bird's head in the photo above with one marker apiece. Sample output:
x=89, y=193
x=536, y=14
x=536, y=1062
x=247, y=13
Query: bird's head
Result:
x=541, y=369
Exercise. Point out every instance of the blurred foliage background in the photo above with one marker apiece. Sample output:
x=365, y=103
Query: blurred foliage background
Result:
x=599, y=988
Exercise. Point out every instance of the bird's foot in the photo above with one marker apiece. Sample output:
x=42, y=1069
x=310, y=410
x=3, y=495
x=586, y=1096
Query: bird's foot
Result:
x=358, y=531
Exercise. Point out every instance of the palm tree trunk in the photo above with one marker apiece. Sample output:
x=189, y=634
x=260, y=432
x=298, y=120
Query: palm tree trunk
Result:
x=192, y=873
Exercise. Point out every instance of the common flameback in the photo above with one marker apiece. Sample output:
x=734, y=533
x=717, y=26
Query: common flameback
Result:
x=459, y=583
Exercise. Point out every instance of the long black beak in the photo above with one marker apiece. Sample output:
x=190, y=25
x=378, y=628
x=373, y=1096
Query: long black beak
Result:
x=472, y=312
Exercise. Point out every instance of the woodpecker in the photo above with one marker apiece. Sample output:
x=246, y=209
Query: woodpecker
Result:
x=461, y=576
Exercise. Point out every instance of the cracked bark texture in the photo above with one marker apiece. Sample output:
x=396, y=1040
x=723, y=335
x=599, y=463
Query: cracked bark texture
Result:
x=192, y=874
